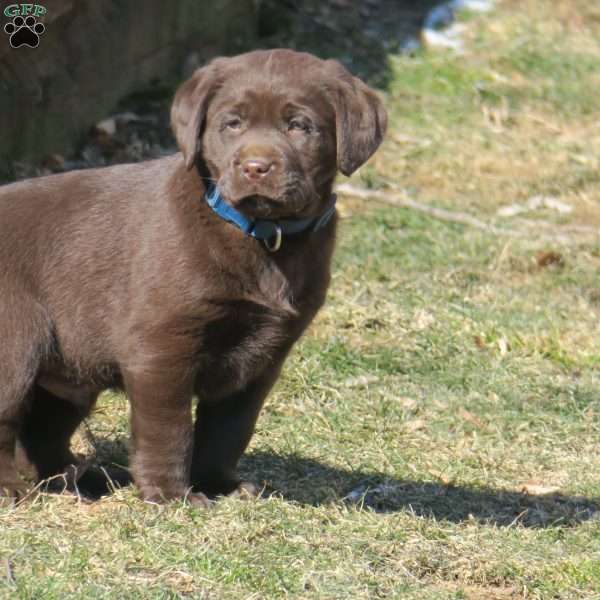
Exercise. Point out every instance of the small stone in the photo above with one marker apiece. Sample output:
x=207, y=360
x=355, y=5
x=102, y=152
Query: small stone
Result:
x=107, y=127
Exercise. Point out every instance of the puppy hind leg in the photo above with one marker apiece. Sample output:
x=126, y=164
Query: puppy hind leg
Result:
x=46, y=430
x=16, y=376
x=11, y=484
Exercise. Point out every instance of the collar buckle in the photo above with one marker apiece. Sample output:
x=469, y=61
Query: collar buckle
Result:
x=273, y=247
x=267, y=231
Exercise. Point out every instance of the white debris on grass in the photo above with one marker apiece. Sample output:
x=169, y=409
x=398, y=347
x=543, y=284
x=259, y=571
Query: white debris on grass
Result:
x=473, y=5
x=439, y=27
x=447, y=38
x=367, y=494
x=361, y=381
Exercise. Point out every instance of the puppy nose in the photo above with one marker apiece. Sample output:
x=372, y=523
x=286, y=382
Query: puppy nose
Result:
x=256, y=168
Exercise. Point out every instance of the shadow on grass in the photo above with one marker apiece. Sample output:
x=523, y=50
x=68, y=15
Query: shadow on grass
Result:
x=310, y=482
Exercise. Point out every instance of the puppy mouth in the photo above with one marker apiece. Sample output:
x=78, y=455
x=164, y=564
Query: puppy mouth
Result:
x=287, y=200
x=259, y=206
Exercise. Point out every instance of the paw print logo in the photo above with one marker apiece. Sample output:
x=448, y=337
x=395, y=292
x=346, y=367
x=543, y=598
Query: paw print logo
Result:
x=24, y=32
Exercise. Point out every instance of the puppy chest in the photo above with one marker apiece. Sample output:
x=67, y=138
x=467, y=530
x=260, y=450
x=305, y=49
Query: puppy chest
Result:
x=239, y=346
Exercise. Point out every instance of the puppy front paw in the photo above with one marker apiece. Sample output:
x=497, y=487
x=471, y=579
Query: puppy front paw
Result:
x=246, y=490
x=154, y=495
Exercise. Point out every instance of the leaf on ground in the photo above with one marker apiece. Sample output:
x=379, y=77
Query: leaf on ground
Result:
x=443, y=477
x=503, y=345
x=422, y=320
x=415, y=425
x=464, y=414
x=408, y=403
x=535, y=488
x=548, y=258
x=360, y=381
x=479, y=342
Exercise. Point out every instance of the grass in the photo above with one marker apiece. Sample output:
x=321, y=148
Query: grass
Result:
x=435, y=434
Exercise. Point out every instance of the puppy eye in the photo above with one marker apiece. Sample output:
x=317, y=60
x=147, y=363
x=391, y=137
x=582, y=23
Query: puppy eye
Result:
x=299, y=125
x=233, y=123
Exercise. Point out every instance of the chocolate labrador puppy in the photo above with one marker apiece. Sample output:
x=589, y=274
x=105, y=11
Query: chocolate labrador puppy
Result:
x=188, y=277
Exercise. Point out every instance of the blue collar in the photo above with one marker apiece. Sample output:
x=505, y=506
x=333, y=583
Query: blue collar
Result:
x=269, y=232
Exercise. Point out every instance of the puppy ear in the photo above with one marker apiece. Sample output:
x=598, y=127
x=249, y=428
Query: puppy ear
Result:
x=188, y=111
x=361, y=118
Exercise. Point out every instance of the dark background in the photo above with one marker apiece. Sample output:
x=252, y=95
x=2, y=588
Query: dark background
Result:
x=100, y=57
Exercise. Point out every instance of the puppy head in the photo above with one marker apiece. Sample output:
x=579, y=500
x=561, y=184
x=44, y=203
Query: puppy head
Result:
x=273, y=127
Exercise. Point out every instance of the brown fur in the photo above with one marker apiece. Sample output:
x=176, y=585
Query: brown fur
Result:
x=123, y=277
